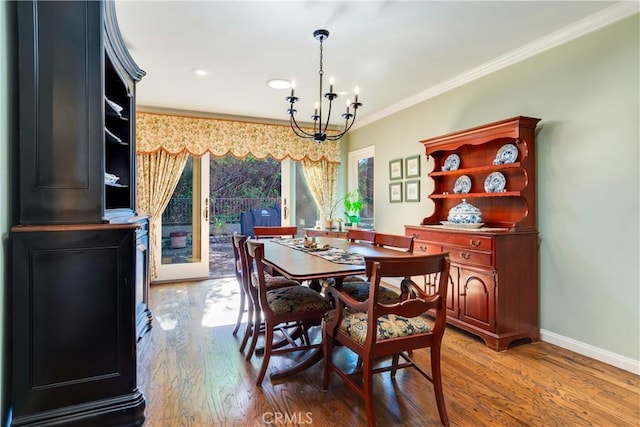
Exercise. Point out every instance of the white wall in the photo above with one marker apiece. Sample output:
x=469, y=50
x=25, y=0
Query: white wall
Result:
x=587, y=94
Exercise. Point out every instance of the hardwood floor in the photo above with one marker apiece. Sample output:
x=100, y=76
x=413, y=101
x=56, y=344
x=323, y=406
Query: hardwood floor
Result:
x=192, y=374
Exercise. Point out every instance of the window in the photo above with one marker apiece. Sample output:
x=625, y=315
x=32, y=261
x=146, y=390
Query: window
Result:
x=361, y=176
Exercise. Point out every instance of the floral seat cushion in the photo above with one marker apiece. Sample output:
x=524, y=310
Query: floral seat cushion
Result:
x=274, y=282
x=354, y=324
x=294, y=299
x=359, y=291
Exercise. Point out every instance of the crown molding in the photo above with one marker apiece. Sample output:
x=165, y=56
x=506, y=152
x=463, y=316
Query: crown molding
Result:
x=578, y=29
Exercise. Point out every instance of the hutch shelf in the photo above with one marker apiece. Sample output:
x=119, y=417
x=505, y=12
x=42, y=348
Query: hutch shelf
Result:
x=493, y=289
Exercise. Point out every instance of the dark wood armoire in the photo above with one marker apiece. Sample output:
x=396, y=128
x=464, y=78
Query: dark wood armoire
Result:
x=79, y=264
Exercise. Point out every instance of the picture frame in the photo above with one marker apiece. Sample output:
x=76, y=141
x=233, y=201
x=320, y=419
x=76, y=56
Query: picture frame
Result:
x=412, y=191
x=395, y=169
x=412, y=167
x=395, y=192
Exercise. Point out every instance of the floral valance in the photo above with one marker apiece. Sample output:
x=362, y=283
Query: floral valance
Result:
x=199, y=135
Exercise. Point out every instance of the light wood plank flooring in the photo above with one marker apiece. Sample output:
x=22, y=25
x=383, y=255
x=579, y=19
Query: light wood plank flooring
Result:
x=192, y=374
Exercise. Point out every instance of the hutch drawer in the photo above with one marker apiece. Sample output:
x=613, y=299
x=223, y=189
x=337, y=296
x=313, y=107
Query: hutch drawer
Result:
x=465, y=256
x=424, y=247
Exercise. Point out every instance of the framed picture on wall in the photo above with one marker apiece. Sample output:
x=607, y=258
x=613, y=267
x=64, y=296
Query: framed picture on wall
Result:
x=395, y=192
x=395, y=169
x=412, y=167
x=412, y=191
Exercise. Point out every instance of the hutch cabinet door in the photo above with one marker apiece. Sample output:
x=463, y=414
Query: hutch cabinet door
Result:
x=477, y=298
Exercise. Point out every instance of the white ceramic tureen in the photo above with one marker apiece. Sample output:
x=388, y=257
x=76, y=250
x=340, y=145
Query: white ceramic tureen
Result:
x=464, y=213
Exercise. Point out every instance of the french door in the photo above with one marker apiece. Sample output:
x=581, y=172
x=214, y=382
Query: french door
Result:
x=183, y=235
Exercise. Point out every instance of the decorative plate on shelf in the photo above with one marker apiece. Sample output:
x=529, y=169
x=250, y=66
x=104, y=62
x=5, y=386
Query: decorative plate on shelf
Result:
x=495, y=183
x=462, y=224
x=451, y=163
x=508, y=153
x=462, y=185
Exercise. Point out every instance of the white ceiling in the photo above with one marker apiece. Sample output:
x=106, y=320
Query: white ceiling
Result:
x=392, y=50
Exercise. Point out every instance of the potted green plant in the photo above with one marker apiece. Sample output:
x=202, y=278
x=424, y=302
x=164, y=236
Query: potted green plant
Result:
x=219, y=227
x=353, y=205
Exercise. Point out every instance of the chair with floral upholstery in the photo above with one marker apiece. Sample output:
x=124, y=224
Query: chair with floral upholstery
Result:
x=373, y=330
x=289, y=307
x=249, y=294
x=358, y=287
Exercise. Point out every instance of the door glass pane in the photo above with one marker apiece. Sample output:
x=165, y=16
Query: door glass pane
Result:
x=365, y=184
x=306, y=209
x=180, y=238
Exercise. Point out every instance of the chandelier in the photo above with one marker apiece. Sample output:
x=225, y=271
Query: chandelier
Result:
x=320, y=126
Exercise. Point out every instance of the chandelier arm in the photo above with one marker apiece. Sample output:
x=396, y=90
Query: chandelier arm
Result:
x=326, y=125
x=297, y=129
x=353, y=120
x=347, y=126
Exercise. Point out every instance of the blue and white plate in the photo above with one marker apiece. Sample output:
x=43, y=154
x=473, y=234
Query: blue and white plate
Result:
x=508, y=153
x=451, y=163
x=495, y=183
x=462, y=185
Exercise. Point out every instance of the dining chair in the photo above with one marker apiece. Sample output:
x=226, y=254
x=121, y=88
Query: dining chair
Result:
x=248, y=294
x=358, y=287
x=360, y=235
x=373, y=330
x=243, y=294
x=290, y=307
x=274, y=231
x=395, y=241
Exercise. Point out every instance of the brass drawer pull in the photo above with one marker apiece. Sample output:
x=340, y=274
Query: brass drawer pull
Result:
x=422, y=248
x=465, y=255
x=475, y=243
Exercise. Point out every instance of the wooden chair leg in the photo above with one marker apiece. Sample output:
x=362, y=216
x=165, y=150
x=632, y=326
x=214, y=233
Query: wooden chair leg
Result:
x=437, y=384
x=268, y=342
x=367, y=388
x=240, y=313
x=257, y=321
x=248, y=331
x=327, y=347
x=394, y=362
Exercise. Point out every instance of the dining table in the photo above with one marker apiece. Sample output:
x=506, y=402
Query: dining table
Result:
x=323, y=258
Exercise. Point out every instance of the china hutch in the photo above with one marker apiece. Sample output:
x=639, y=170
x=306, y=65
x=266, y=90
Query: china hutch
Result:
x=493, y=288
x=79, y=275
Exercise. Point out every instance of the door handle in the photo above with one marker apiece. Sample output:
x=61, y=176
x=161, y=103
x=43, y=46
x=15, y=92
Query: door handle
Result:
x=205, y=211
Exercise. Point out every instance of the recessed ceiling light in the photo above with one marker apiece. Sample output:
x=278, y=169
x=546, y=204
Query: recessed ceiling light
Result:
x=200, y=72
x=279, y=83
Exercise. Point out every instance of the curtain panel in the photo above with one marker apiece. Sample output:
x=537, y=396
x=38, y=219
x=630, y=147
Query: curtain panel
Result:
x=322, y=179
x=198, y=135
x=157, y=177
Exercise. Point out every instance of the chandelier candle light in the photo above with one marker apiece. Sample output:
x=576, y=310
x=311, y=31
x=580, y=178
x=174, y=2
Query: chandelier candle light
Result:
x=319, y=134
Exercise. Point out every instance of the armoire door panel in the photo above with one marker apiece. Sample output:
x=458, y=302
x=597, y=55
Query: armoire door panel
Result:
x=61, y=104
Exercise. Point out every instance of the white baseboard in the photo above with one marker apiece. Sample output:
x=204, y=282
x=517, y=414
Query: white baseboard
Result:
x=576, y=346
x=588, y=350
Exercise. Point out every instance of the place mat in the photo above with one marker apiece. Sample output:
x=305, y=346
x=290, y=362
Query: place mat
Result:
x=337, y=255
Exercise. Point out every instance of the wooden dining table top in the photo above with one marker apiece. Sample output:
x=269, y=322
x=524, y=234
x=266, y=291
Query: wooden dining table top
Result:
x=296, y=264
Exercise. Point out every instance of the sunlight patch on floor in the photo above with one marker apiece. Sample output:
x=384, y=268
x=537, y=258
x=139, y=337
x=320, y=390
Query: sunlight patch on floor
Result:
x=222, y=303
